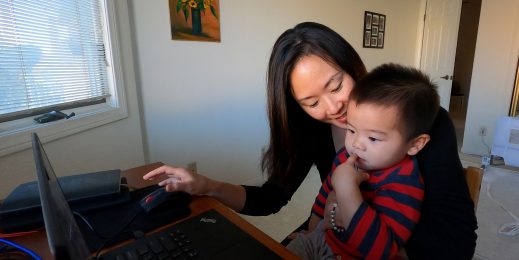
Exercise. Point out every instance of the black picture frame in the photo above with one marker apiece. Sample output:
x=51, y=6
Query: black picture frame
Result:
x=374, y=30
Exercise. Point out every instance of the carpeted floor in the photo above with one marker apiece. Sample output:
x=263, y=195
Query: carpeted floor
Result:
x=498, y=205
x=499, y=194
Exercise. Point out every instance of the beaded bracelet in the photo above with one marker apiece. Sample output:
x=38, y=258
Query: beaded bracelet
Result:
x=332, y=219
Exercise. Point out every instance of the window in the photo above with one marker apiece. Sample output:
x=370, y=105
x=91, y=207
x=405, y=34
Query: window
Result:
x=57, y=55
x=50, y=54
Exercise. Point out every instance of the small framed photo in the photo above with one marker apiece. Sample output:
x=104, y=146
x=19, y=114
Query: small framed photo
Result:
x=375, y=19
x=367, y=38
x=374, y=30
x=367, y=25
x=374, y=41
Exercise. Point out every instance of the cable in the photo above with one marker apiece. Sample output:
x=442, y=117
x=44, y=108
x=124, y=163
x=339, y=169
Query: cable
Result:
x=486, y=145
x=90, y=225
x=21, y=248
x=486, y=160
x=116, y=234
x=17, y=234
x=108, y=238
x=509, y=229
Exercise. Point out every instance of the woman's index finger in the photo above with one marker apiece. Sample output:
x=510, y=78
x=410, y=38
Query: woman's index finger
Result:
x=154, y=172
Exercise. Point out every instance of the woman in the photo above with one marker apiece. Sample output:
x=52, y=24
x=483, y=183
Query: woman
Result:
x=311, y=72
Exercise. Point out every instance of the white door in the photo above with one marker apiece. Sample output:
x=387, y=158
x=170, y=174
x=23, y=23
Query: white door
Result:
x=439, y=44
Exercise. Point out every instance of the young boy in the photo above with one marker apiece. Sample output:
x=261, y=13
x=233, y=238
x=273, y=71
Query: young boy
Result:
x=375, y=177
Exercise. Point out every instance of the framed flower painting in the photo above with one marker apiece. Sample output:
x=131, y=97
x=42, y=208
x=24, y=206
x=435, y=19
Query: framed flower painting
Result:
x=195, y=20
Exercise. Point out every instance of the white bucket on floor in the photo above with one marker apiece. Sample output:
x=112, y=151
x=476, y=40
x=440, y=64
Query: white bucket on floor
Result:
x=506, y=140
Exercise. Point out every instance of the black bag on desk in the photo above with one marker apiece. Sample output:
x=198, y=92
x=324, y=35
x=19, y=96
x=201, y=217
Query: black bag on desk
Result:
x=21, y=210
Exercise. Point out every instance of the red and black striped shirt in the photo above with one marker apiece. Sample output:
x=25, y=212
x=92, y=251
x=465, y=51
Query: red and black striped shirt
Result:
x=384, y=221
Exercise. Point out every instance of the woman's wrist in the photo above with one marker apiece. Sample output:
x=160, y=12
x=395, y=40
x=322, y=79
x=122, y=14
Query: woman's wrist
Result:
x=231, y=195
x=210, y=187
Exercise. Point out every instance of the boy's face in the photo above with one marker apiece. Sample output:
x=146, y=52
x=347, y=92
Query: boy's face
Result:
x=373, y=133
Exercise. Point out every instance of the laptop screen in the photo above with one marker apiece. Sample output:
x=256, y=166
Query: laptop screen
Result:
x=65, y=238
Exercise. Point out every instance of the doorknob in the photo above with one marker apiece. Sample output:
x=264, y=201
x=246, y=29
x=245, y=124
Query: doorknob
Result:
x=446, y=77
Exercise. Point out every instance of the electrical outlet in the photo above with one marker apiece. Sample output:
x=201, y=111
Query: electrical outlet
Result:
x=192, y=167
x=482, y=131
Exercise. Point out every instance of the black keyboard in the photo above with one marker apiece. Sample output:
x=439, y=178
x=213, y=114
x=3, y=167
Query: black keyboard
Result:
x=169, y=244
x=208, y=235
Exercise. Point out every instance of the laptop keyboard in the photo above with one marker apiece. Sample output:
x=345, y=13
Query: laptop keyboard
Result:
x=169, y=244
x=208, y=235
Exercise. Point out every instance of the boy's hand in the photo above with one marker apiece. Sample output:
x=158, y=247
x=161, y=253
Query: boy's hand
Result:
x=348, y=174
x=346, y=179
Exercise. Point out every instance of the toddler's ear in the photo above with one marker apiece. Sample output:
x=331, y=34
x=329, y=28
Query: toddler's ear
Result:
x=418, y=143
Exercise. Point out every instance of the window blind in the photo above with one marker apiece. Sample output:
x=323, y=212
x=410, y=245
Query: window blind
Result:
x=51, y=53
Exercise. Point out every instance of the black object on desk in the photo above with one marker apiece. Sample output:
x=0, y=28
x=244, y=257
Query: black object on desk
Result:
x=160, y=200
x=21, y=210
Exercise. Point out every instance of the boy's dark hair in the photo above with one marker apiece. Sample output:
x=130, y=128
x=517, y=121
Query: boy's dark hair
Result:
x=410, y=90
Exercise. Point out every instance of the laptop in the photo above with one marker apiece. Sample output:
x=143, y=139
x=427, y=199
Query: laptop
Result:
x=208, y=235
x=65, y=238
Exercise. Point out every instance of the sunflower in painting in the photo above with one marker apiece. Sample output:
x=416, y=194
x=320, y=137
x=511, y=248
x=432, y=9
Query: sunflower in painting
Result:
x=189, y=7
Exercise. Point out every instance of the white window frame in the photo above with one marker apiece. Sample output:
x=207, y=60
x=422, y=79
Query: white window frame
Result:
x=16, y=135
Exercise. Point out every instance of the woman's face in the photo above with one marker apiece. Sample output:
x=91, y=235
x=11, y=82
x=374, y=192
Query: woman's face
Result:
x=321, y=90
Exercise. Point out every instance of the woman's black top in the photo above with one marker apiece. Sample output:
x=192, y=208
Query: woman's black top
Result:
x=446, y=229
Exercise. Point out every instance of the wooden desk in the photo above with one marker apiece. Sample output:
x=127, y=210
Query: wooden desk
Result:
x=38, y=241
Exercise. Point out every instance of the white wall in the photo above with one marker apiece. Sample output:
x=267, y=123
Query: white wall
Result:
x=205, y=102
x=116, y=145
x=493, y=73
